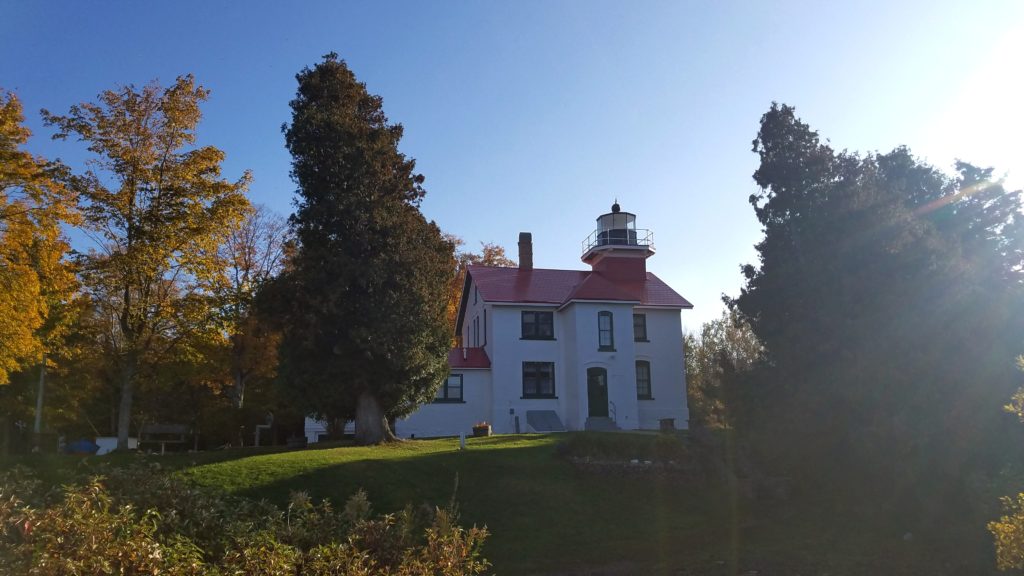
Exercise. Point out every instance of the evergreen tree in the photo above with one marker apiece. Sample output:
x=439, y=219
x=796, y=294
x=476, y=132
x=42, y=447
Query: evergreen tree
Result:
x=365, y=335
x=888, y=299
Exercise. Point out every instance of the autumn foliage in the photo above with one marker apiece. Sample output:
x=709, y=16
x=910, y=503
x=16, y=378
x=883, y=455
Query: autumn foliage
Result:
x=145, y=521
x=490, y=255
x=35, y=280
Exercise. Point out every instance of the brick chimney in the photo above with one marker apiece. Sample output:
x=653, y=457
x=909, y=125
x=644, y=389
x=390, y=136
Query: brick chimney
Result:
x=526, y=251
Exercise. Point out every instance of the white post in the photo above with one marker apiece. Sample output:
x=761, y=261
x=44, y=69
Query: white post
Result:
x=462, y=440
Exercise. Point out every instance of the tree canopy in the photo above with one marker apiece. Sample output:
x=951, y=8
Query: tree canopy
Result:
x=365, y=335
x=157, y=208
x=254, y=254
x=490, y=255
x=723, y=347
x=36, y=282
x=887, y=295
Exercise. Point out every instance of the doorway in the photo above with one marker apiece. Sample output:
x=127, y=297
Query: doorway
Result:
x=597, y=392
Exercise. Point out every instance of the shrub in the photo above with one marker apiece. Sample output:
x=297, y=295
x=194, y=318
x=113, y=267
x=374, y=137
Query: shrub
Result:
x=87, y=534
x=339, y=559
x=145, y=521
x=262, y=554
x=1008, y=533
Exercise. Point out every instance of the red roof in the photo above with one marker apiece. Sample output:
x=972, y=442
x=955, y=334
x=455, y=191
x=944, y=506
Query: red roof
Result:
x=596, y=287
x=468, y=358
x=540, y=286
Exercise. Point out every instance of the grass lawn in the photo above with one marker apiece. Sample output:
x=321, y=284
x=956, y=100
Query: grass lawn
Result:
x=546, y=517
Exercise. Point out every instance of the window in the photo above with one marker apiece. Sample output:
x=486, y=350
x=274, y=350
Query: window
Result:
x=538, y=379
x=476, y=331
x=605, y=338
x=450, y=390
x=640, y=327
x=643, y=380
x=538, y=325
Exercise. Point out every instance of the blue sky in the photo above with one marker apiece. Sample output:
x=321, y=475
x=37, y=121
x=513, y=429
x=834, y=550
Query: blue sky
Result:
x=535, y=116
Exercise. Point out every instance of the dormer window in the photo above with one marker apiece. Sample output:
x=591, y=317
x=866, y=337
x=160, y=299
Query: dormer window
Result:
x=605, y=334
x=538, y=325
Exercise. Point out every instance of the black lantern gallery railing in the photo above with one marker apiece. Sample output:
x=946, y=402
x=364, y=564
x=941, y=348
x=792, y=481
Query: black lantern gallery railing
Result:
x=619, y=237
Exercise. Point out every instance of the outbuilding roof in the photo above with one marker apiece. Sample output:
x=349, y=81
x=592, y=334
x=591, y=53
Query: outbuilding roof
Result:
x=464, y=358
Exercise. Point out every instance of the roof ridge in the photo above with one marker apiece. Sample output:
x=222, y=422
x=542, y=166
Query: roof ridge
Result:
x=527, y=269
x=498, y=284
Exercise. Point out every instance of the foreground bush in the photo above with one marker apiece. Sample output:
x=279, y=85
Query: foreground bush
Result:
x=145, y=521
x=1008, y=533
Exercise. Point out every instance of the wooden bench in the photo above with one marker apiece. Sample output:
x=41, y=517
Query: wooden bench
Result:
x=163, y=434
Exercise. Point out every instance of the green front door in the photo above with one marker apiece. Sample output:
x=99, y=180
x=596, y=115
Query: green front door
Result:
x=597, y=392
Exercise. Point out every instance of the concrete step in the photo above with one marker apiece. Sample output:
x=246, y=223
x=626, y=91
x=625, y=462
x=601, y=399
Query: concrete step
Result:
x=600, y=423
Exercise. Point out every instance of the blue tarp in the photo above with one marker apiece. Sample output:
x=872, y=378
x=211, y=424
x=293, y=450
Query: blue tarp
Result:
x=82, y=446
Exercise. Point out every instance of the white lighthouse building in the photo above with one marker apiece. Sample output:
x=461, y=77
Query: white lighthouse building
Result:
x=552, y=350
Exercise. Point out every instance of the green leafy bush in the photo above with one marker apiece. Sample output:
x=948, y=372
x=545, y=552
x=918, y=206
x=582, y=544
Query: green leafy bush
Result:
x=1008, y=533
x=146, y=521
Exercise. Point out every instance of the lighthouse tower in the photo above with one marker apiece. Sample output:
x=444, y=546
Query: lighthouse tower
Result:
x=617, y=249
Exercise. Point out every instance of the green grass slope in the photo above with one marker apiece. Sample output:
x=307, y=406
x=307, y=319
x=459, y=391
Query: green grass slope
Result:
x=548, y=518
x=544, y=515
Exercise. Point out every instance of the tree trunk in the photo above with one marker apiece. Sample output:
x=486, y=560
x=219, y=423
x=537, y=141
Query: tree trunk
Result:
x=371, y=423
x=37, y=428
x=238, y=393
x=238, y=368
x=335, y=428
x=124, y=411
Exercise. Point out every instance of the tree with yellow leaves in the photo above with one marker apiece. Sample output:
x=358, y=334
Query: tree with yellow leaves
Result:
x=35, y=279
x=490, y=255
x=157, y=208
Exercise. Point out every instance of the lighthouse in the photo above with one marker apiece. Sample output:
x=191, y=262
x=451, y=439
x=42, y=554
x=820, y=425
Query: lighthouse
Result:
x=617, y=249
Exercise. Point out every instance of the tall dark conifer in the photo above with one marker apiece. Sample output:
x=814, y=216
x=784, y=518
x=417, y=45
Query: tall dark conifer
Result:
x=888, y=298
x=365, y=332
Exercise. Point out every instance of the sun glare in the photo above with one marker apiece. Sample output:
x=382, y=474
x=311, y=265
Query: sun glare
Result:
x=984, y=119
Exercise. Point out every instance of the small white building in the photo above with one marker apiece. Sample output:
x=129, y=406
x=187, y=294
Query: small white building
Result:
x=554, y=350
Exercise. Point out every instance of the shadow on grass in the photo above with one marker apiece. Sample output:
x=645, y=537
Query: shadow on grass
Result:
x=543, y=514
x=547, y=517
